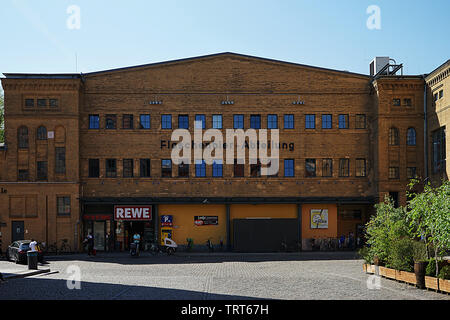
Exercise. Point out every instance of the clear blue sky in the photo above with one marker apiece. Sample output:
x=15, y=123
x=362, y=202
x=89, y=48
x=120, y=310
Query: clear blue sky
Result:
x=324, y=33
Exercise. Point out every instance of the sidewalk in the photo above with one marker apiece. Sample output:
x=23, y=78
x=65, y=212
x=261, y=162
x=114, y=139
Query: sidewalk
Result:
x=10, y=270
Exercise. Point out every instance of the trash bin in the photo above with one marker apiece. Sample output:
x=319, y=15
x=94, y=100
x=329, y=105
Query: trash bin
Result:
x=32, y=257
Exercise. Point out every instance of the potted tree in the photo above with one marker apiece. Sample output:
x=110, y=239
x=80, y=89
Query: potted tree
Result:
x=420, y=255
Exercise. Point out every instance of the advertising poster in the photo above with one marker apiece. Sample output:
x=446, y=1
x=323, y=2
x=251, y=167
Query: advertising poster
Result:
x=206, y=220
x=319, y=219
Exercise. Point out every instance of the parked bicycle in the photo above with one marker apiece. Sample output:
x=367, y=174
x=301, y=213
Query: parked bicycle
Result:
x=209, y=245
x=65, y=247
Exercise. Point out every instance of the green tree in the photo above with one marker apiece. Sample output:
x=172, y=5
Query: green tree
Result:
x=429, y=216
x=2, y=119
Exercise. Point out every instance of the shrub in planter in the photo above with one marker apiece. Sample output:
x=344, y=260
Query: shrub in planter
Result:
x=365, y=254
x=401, y=255
x=445, y=273
x=430, y=271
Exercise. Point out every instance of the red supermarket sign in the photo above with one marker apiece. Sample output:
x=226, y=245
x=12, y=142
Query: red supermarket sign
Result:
x=133, y=213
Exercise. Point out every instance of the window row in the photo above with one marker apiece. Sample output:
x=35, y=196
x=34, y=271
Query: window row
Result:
x=397, y=102
x=289, y=169
x=438, y=95
x=42, y=167
x=394, y=137
x=272, y=121
x=394, y=173
x=42, y=103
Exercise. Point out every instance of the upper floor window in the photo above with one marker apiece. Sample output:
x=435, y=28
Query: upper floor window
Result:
x=41, y=133
x=127, y=121
x=360, y=121
x=41, y=170
x=441, y=94
x=289, y=169
x=128, y=168
x=144, y=169
x=200, y=168
x=411, y=137
x=23, y=175
x=166, y=121
x=239, y=169
x=63, y=204
x=166, y=168
x=407, y=102
x=310, y=167
x=439, y=150
x=29, y=102
x=327, y=167
x=344, y=167
x=202, y=119
x=217, y=168
x=111, y=168
x=343, y=121
x=22, y=136
x=360, y=165
x=255, y=121
x=327, y=121
x=394, y=173
x=53, y=103
x=111, y=121
x=42, y=102
x=60, y=160
x=94, y=168
x=393, y=137
x=310, y=121
x=144, y=121
x=94, y=121
x=217, y=121
x=272, y=121
x=396, y=102
x=183, y=121
x=289, y=121
x=183, y=170
x=255, y=169
x=238, y=121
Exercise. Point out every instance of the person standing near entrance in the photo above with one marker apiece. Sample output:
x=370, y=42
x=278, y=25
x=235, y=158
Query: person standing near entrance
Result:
x=137, y=240
x=90, y=243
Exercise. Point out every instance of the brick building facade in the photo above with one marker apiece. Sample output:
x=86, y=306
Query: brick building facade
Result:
x=77, y=145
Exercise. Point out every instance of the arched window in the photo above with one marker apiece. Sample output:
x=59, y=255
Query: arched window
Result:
x=411, y=137
x=42, y=133
x=22, y=137
x=393, y=137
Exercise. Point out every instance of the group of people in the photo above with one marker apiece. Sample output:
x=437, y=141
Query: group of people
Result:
x=351, y=242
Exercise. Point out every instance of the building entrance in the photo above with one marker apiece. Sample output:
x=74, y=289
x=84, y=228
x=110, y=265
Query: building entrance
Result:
x=144, y=228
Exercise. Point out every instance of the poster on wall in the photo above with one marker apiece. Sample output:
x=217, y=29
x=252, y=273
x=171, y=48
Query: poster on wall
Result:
x=206, y=220
x=319, y=219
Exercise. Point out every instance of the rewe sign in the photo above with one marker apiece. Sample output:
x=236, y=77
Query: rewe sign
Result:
x=133, y=213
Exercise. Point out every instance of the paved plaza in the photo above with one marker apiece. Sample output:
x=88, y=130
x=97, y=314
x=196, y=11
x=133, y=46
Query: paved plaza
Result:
x=291, y=276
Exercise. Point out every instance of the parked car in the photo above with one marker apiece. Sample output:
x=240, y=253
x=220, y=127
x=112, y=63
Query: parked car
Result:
x=17, y=251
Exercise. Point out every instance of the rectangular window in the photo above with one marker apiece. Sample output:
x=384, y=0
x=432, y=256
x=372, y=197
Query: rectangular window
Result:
x=238, y=121
x=183, y=121
x=289, y=169
x=111, y=121
x=441, y=94
x=360, y=167
x=217, y=168
x=344, y=167
x=310, y=121
x=310, y=167
x=393, y=173
x=217, y=121
x=29, y=103
x=396, y=102
x=53, y=103
x=289, y=121
x=272, y=121
x=128, y=168
x=343, y=121
x=41, y=170
x=94, y=121
x=183, y=170
x=239, y=169
x=411, y=172
x=60, y=160
x=166, y=121
x=327, y=167
x=144, y=121
x=436, y=96
x=63, y=204
x=255, y=121
x=94, y=168
x=407, y=102
x=144, y=168
x=255, y=169
x=166, y=168
x=23, y=175
x=42, y=102
x=202, y=119
x=439, y=150
x=128, y=121
x=200, y=169
x=111, y=168
x=327, y=122
x=360, y=122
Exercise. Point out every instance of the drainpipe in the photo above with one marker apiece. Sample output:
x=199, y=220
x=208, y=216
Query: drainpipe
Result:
x=425, y=127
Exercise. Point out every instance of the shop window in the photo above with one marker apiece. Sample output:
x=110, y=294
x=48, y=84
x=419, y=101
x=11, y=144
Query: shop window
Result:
x=128, y=168
x=166, y=121
x=327, y=168
x=94, y=121
x=310, y=168
x=144, y=121
x=217, y=121
x=343, y=121
x=144, y=165
x=111, y=121
x=255, y=121
x=202, y=119
x=63, y=206
x=327, y=121
x=360, y=122
x=289, y=169
x=344, y=167
x=289, y=121
x=411, y=137
x=360, y=166
x=238, y=121
x=41, y=171
x=127, y=121
x=393, y=137
x=94, y=168
x=60, y=160
x=23, y=137
x=183, y=121
x=183, y=170
x=111, y=168
x=41, y=133
x=310, y=121
x=272, y=121
x=166, y=168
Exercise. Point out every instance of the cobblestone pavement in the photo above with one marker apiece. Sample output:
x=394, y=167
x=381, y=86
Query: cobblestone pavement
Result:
x=298, y=276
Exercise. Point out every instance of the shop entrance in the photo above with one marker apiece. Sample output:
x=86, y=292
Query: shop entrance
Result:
x=143, y=228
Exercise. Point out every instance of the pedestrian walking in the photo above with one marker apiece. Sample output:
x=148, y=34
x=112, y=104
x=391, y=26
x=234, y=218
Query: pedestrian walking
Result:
x=90, y=243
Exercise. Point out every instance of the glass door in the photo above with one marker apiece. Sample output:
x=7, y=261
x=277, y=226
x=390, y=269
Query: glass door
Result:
x=99, y=235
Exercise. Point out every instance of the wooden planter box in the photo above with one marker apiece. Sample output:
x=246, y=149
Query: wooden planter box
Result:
x=444, y=285
x=369, y=268
x=387, y=272
x=431, y=283
x=405, y=276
